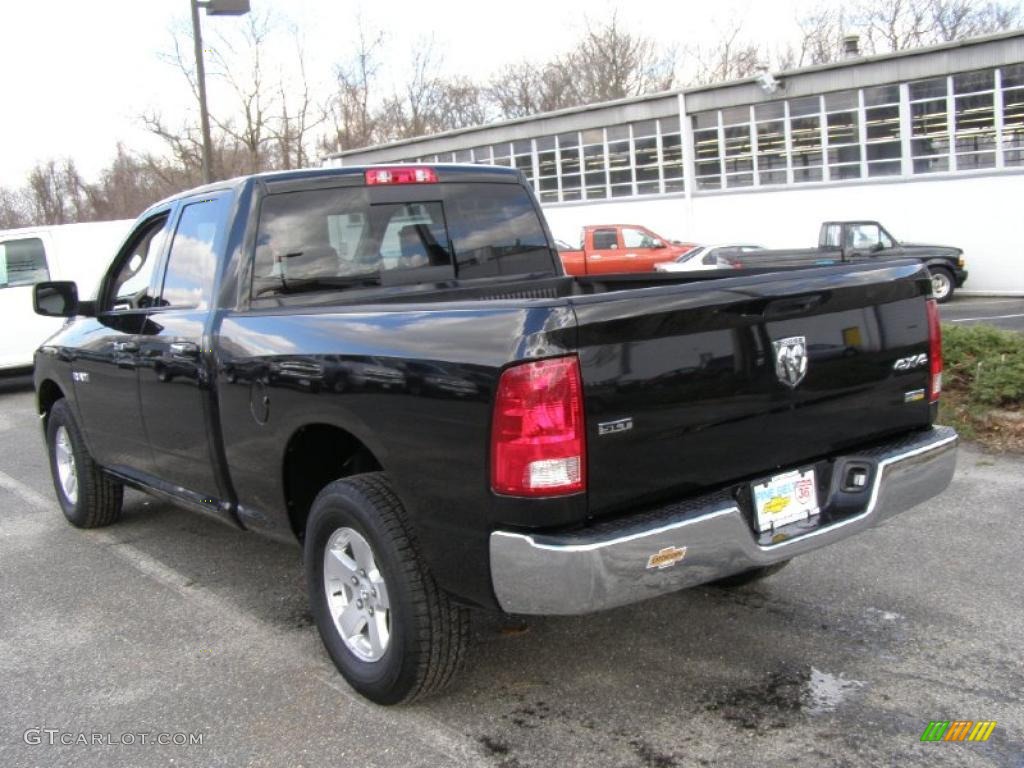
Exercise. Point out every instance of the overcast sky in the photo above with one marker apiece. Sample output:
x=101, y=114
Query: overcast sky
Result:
x=76, y=75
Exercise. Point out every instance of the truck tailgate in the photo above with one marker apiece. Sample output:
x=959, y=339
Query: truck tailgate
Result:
x=683, y=393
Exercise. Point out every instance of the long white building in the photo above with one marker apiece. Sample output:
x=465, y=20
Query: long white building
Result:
x=929, y=141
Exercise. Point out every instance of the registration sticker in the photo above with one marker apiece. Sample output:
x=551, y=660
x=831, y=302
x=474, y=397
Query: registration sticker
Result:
x=785, y=498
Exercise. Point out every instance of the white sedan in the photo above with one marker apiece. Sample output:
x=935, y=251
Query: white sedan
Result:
x=708, y=257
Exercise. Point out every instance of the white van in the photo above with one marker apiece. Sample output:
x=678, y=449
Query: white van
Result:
x=79, y=252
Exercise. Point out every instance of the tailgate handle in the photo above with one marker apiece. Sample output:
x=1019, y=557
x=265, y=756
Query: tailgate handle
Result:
x=793, y=305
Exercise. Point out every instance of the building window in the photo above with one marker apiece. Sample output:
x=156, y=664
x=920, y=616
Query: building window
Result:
x=645, y=157
x=929, y=125
x=547, y=169
x=482, y=155
x=805, y=138
x=500, y=155
x=882, y=130
x=620, y=171
x=671, y=155
x=707, y=156
x=842, y=135
x=522, y=157
x=975, y=119
x=738, y=149
x=569, y=165
x=1013, y=114
x=594, y=172
x=771, y=142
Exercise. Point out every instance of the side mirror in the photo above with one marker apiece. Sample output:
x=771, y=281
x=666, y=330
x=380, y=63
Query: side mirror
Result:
x=878, y=247
x=55, y=299
x=658, y=244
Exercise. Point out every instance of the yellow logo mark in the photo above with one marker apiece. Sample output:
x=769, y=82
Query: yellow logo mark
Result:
x=776, y=505
x=663, y=558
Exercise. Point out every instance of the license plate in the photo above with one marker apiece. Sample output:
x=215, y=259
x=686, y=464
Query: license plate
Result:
x=785, y=498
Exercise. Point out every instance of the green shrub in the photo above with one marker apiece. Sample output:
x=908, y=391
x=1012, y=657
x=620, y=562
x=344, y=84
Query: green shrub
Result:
x=986, y=362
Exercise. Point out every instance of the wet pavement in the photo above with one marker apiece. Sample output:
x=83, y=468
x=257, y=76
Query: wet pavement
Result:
x=172, y=623
x=1002, y=312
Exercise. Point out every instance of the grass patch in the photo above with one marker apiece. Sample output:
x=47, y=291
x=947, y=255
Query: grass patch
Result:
x=983, y=385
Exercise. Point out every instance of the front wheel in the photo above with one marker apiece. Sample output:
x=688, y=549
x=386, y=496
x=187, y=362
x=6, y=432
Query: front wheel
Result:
x=942, y=284
x=89, y=498
x=391, y=631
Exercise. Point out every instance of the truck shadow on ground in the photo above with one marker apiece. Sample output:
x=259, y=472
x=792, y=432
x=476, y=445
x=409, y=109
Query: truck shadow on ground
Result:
x=760, y=660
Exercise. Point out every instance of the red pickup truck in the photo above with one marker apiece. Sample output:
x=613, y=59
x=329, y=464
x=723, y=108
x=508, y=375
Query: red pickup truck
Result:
x=610, y=248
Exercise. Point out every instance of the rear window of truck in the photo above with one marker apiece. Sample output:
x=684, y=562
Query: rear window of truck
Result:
x=344, y=238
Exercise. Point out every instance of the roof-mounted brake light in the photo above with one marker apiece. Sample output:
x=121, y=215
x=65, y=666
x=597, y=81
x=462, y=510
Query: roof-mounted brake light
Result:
x=401, y=175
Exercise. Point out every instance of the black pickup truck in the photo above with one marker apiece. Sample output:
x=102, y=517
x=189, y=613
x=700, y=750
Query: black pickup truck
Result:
x=860, y=241
x=388, y=366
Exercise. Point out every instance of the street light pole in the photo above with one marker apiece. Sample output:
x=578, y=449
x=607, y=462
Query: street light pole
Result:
x=204, y=115
x=213, y=8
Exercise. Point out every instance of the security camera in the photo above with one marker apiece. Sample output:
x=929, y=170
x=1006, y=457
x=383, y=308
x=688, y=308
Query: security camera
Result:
x=767, y=81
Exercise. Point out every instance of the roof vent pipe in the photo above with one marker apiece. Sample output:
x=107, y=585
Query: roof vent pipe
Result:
x=851, y=46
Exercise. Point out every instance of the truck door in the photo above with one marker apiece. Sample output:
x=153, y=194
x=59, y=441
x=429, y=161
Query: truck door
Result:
x=603, y=252
x=104, y=370
x=174, y=386
x=641, y=250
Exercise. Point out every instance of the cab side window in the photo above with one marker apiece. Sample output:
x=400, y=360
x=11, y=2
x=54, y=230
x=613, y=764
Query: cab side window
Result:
x=605, y=239
x=130, y=288
x=637, y=238
x=22, y=262
x=192, y=261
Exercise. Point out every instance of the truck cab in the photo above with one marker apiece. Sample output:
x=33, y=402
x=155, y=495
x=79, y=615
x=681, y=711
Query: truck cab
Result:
x=616, y=248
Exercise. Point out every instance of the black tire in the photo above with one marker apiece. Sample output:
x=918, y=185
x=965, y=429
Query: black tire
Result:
x=749, y=577
x=943, y=277
x=429, y=634
x=99, y=498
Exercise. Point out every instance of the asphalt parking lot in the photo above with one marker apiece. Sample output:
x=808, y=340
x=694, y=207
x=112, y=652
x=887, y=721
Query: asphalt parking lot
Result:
x=171, y=623
x=1006, y=313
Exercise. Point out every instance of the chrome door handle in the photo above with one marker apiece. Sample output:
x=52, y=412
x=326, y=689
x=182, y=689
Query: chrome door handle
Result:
x=184, y=349
x=630, y=256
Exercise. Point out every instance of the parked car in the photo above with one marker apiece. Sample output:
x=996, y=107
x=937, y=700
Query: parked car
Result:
x=521, y=440
x=614, y=248
x=78, y=252
x=858, y=241
x=708, y=257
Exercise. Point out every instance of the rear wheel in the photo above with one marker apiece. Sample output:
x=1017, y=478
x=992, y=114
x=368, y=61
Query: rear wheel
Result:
x=391, y=631
x=749, y=577
x=88, y=498
x=942, y=284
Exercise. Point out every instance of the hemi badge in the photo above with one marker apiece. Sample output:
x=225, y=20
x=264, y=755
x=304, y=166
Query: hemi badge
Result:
x=913, y=396
x=666, y=557
x=611, y=427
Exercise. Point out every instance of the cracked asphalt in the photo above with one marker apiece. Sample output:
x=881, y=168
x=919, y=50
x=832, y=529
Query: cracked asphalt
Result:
x=173, y=623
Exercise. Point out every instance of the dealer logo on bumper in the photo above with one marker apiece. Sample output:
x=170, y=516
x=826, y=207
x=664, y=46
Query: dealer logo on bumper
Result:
x=666, y=557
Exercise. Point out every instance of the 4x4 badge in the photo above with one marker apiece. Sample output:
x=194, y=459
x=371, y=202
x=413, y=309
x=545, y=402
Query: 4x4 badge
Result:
x=791, y=360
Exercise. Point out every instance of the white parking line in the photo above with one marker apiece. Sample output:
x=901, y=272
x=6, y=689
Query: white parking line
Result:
x=993, y=317
x=421, y=726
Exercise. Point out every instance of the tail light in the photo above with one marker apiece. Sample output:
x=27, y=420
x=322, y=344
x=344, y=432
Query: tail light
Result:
x=405, y=174
x=934, y=352
x=538, y=444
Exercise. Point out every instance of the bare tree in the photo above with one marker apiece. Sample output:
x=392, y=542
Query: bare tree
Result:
x=13, y=209
x=292, y=127
x=730, y=57
x=349, y=112
x=609, y=62
x=248, y=123
x=56, y=193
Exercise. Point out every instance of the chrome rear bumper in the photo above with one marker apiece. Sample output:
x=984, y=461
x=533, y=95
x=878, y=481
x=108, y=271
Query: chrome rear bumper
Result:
x=611, y=565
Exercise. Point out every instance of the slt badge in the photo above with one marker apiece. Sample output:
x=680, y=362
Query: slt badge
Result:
x=791, y=360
